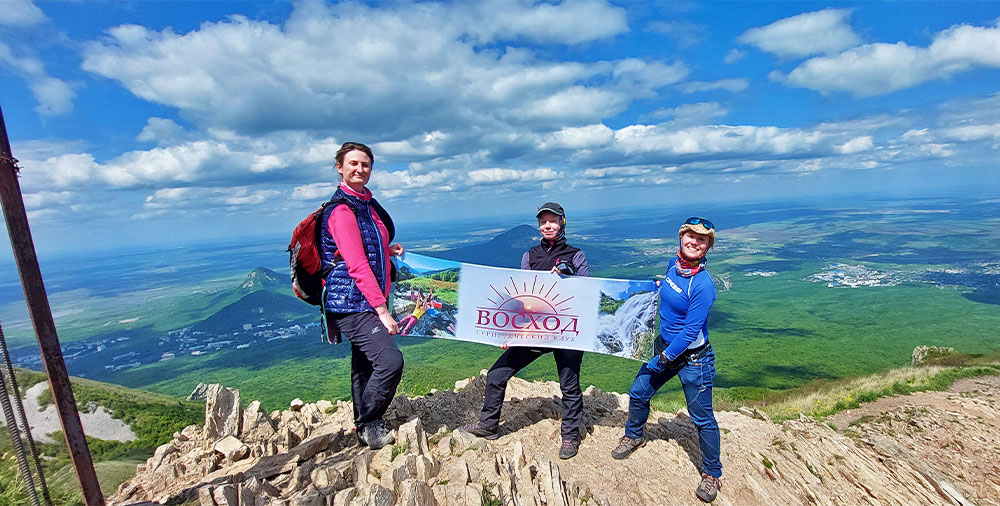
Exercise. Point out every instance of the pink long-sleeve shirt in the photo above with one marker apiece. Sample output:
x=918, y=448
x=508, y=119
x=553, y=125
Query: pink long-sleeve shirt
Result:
x=343, y=226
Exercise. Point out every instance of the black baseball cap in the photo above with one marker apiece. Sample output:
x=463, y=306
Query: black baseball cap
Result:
x=551, y=207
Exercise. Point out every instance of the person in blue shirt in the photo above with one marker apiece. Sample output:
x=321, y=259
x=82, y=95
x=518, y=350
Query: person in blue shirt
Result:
x=686, y=296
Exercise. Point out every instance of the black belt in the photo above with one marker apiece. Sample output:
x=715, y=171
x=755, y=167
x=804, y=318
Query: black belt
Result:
x=699, y=351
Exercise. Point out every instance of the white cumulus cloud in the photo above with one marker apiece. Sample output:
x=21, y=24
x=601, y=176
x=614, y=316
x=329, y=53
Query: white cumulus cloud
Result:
x=460, y=69
x=64, y=171
x=875, y=69
x=857, y=144
x=161, y=131
x=313, y=191
x=820, y=32
x=715, y=139
x=974, y=132
x=616, y=172
x=590, y=136
x=44, y=199
x=20, y=13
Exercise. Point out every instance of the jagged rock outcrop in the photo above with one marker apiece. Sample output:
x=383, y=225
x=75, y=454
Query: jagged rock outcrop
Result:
x=222, y=412
x=944, y=451
x=921, y=354
x=199, y=393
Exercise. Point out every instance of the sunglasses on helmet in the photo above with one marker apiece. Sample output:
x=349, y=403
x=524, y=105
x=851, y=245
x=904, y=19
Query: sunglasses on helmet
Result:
x=694, y=220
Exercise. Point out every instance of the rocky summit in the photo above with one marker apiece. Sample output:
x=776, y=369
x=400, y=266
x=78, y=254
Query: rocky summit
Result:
x=927, y=448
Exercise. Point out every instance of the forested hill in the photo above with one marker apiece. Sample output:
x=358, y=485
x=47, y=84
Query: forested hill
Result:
x=504, y=250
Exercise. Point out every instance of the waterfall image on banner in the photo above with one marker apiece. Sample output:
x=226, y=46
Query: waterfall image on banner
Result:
x=625, y=319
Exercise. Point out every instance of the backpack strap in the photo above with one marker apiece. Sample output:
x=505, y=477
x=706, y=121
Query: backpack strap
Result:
x=384, y=216
x=379, y=210
x=320, y=223
x=391, y=228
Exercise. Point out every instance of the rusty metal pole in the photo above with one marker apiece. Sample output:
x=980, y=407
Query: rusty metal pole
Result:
x=41, y=319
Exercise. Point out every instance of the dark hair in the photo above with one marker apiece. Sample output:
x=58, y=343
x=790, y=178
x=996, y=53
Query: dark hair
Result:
x=347, y=147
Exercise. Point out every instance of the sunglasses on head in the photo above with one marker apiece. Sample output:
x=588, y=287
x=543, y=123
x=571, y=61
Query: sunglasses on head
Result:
x=694, y=220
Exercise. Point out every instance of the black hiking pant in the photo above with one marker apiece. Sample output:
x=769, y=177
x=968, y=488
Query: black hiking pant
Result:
x=376, y=365
x=517, y=358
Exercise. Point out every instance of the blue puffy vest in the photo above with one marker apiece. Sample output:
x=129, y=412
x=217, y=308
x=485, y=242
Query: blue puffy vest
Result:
x=342, y=293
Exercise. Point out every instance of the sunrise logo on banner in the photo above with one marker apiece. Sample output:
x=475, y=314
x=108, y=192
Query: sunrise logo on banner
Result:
x=490, y=305
x=526, y=308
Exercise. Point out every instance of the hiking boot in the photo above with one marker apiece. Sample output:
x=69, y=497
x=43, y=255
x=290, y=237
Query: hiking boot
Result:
x=569, y=448
x=376, y=435
x=479, y=430
x=708, y=488
x=626, y=446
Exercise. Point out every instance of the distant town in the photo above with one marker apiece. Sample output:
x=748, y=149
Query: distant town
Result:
x=838, y=274
x=184, y=341
x=977, y=276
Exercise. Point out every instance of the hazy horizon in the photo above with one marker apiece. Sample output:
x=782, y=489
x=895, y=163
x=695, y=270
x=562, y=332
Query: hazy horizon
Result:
x=51, y=248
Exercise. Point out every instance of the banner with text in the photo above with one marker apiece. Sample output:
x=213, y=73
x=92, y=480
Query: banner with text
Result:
x=490, y=305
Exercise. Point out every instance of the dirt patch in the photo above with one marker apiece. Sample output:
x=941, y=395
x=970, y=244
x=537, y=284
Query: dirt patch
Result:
x=98, y=423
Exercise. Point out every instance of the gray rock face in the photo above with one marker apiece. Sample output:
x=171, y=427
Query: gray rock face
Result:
x=403, y=468
x=159, y=456
x=225, y=496
x=416, y=493
x=416, y=439
x=199, y=393
x=222, y=412
x=257, y=424
x=345, y=497
x=231, y=448
x=377, y=495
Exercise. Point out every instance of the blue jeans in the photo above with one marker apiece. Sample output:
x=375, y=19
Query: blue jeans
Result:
x=697, y=372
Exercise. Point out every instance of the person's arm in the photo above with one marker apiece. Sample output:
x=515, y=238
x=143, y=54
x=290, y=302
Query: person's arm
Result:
x=524, y=261
x=702, y=298
x=580, y=264
x=344, y=228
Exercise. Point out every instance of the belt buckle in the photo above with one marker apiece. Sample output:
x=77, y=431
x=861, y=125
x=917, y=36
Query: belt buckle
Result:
x=699, y=351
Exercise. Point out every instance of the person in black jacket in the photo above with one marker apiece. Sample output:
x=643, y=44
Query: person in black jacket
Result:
x=553, y=255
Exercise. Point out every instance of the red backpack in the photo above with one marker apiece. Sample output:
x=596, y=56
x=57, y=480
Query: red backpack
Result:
x=307, y=269
x=308, y=274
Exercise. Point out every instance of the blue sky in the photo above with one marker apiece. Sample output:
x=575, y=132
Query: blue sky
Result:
x=142, y=122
